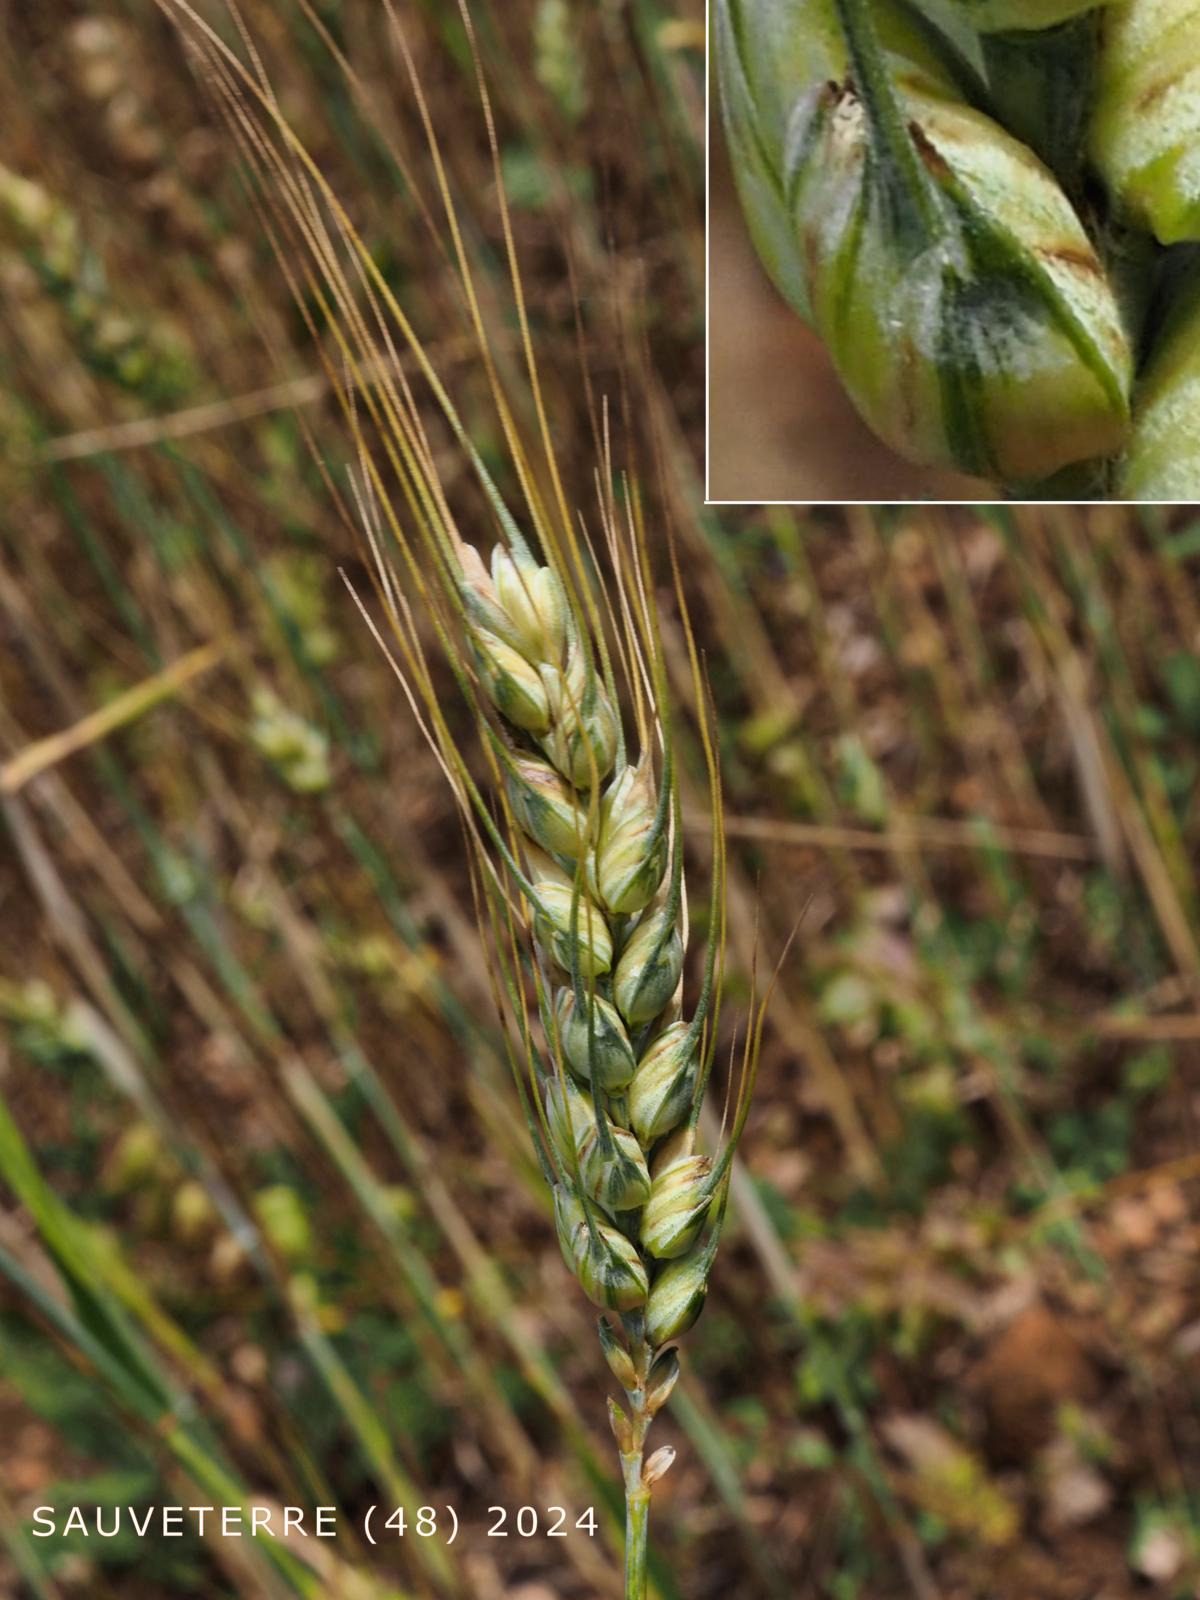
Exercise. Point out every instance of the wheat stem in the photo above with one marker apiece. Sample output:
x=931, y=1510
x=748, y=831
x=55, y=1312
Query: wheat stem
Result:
x=637, y=1529
x=637, y=1491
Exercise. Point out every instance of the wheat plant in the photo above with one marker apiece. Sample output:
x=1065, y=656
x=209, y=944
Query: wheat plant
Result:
x=919, y=181
x=567, y=789
x=576, y=845
x=579, y=867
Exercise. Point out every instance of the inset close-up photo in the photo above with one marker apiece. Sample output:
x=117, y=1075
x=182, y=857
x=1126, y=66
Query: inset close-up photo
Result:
x=975, y=225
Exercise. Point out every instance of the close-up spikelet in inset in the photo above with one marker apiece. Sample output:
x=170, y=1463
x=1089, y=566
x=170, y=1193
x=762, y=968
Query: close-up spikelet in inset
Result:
x=973, y=205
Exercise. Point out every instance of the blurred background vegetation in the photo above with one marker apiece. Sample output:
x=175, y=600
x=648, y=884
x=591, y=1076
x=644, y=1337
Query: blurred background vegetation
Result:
x=269, y=1226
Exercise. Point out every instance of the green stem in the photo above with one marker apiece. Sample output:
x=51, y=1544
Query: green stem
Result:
x=637, y=1492
x=637, y=1527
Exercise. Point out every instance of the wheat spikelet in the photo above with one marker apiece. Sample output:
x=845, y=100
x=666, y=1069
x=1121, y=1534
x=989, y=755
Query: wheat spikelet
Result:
x=1163, y=459
x=579, y=870
x=1145, y=130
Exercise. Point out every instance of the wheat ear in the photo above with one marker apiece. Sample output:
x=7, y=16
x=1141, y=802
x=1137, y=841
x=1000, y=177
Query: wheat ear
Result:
x=585, y=872
x=580, y=882
x=575, y=834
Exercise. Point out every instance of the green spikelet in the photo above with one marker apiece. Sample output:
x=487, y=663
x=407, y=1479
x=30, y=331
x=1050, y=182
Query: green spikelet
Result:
x=611, y=1164
x=532, y=601
x=1163, y=461
x=602, y=1258
x=545, y=806
x=573, y=930
x=677, y=1295
x=514, y=687
x=602, y=1046
x=582, y=737
x=660, y=1095
x=680, y=1197
x=1145, y=133
x=648, y=967
x=631, y=852
x=518, y=602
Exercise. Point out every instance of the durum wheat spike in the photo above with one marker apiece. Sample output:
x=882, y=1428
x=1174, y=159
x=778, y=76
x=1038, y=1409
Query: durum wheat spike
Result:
x=615, y=1088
